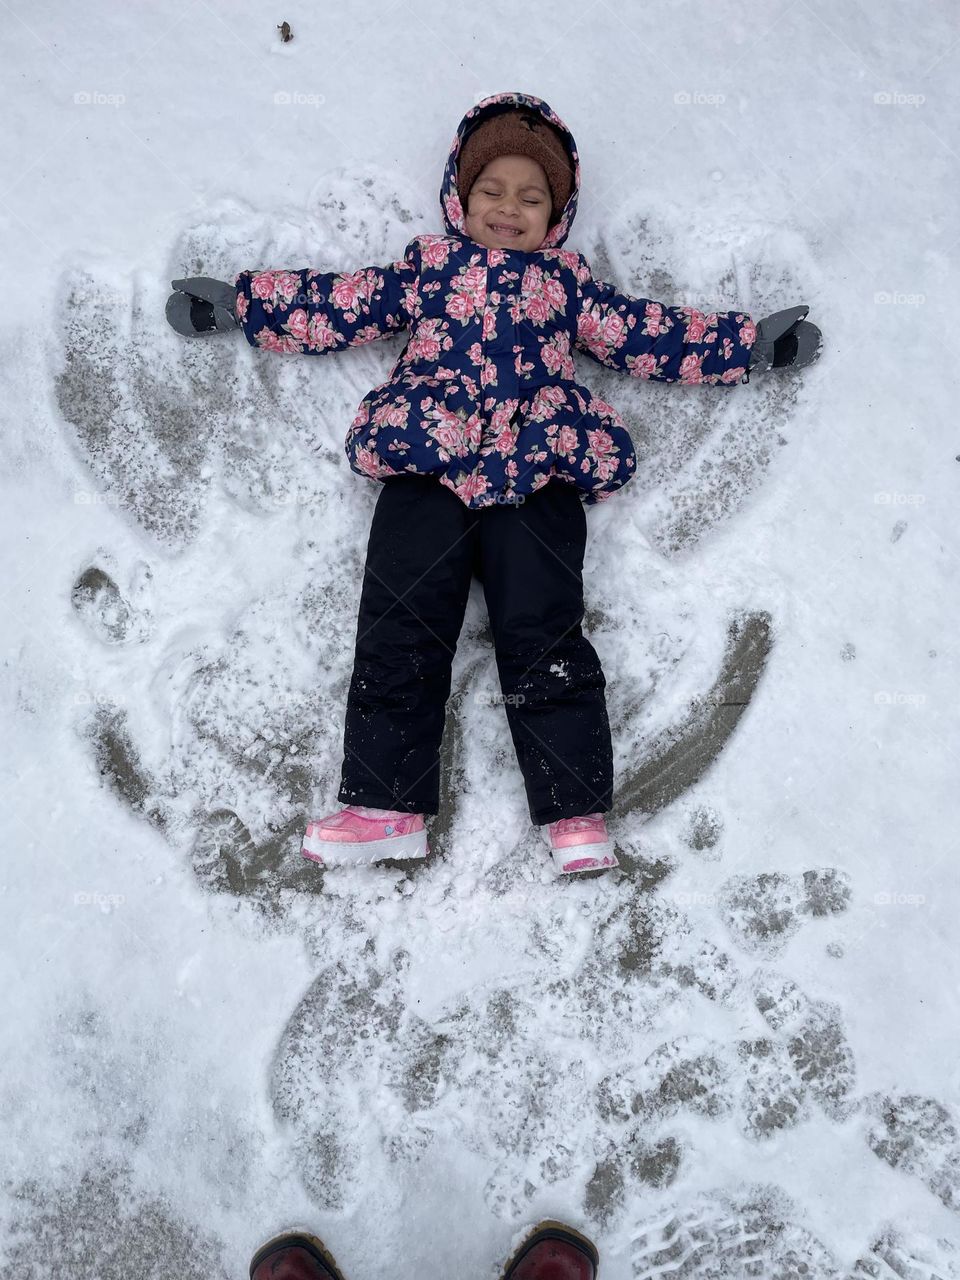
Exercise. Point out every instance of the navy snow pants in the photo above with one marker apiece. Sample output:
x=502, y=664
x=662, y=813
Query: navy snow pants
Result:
x=423, y=551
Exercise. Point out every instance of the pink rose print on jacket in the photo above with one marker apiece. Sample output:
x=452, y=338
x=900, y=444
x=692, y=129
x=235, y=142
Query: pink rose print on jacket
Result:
x=468, y=488
x=468, y=294
x=393, y=415
x=644, y=366
x=434, y=251
x=281, y=343
x=698, y=325
x=484, y=393
x=546, y=403
x=370, y=464
x=566, y=443
x=456, y=436
x=349, y=291
x=601, y=332
x=298, y=324
x=555, y=354
x=690, y=370
x=430, y=339
x=541, y=297
x=654, y=323
x=321, y=335
x=262, y=286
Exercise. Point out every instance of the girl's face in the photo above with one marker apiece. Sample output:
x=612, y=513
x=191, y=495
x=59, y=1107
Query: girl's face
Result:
x=509, y=205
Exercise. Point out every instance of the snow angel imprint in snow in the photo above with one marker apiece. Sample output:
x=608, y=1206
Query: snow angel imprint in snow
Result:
x=487, y=448
x=250, y=442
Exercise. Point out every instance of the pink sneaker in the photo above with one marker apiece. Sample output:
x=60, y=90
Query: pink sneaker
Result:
x=360, y=834
x=580, y=844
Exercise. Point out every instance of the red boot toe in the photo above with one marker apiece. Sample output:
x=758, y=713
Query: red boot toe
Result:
x=294, y=1257
x=554, y=1252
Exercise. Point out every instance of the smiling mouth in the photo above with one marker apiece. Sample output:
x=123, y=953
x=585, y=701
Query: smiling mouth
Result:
x=505, y=231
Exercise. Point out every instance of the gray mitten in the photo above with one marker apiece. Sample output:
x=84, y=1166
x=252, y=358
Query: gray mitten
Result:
x=201, y=305
x=785, y=339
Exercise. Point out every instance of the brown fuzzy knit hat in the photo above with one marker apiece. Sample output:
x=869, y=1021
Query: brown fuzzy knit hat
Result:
x=518, y=131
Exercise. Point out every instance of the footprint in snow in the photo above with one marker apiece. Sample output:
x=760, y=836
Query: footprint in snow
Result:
x=764, y=911
x=759, y=1232
x=919, y=1136
x=112, y=616
x=539, y=1078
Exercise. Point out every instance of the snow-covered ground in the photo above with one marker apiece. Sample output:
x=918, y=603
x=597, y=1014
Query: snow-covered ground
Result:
x=740, y=1055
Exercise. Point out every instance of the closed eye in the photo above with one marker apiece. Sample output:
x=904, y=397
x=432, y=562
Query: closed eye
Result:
x=527, y=199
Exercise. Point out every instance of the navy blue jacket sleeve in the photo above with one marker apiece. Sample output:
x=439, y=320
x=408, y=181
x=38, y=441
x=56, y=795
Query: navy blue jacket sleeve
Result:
x=313, y=312
x=651, y=340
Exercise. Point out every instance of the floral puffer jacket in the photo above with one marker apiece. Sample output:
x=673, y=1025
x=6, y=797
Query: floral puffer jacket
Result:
x=483, y=394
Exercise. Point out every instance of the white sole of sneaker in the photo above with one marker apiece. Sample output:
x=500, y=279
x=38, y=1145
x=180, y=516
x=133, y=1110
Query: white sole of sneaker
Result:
x=346, y=853
x=582, y=857
x=564, y=864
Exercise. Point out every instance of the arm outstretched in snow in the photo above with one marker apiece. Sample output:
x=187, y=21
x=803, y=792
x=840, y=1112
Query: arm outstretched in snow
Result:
x=313, y=312
x=669, y=344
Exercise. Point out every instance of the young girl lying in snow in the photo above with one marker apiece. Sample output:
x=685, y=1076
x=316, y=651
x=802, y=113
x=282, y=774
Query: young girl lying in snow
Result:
x=487, y=450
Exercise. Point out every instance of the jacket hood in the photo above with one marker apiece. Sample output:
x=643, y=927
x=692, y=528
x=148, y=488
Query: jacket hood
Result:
x=450, y=201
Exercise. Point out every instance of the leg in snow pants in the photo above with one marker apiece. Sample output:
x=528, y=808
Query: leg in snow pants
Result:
x=424, y=548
